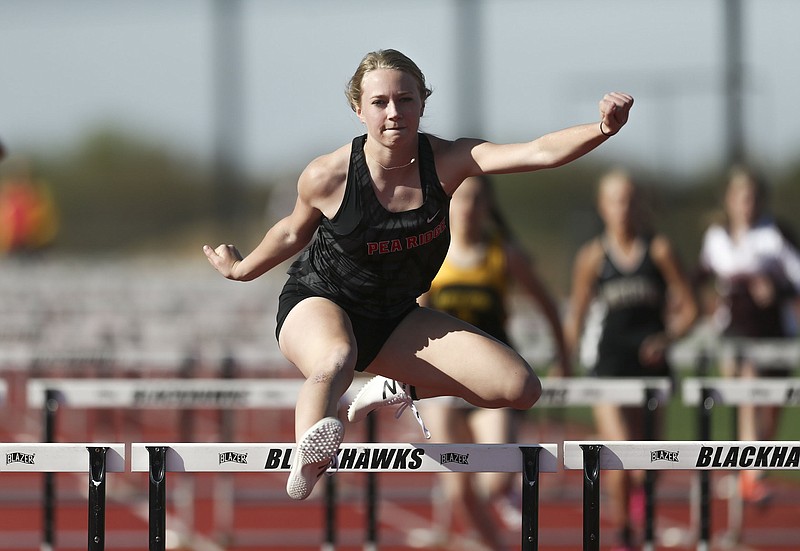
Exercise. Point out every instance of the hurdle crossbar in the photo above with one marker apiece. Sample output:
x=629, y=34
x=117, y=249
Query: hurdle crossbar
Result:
x=588, y=391
x=160, y=458
x=208, y=393
x=593, y=457
x=94, y=459
x=767, y=352
x=763, y=352
x=741, y=391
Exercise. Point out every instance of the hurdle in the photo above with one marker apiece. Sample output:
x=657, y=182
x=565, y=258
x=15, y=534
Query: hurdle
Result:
x=94, y=459
x=589, y=391
x=158, y=459
x=226, y=394
x=707, y=392
x=648, y=392
x=593, y=457
x=51, y=394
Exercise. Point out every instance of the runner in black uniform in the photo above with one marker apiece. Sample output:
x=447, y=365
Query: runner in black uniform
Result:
x=485, y=267
x=371, y=262
x=634, y=276
x=635, y=300
x=378, y=208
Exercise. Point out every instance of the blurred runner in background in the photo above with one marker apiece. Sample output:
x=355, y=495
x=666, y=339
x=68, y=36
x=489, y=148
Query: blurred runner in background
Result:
x=756, y=275
x=647, y=303
x=483, y=262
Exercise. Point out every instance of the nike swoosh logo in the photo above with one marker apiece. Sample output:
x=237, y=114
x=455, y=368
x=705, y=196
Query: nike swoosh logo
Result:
x=434, y=216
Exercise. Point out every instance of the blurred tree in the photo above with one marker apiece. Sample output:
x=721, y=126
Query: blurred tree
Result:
x=119, y=193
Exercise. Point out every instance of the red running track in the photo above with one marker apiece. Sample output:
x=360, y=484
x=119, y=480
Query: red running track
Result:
x=263, y=518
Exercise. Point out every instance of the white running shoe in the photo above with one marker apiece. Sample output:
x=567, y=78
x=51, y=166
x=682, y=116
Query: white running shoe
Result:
x=315, y=451
x=381, y=392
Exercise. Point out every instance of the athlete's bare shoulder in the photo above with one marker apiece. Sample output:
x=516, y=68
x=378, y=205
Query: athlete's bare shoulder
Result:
x=323, y=180
x=590, y=255
x=453, y=161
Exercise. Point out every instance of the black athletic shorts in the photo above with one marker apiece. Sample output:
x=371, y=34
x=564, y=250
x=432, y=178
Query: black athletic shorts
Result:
x=371, y=334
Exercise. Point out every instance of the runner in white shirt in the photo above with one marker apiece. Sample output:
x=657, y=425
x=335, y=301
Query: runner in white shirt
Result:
x=757, y=274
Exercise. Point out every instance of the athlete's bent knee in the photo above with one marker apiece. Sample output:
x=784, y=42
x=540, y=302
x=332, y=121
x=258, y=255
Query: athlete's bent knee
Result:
x=529, y=392
x=337, y=367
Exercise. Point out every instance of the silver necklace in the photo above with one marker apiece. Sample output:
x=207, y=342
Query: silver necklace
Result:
x=409, y=163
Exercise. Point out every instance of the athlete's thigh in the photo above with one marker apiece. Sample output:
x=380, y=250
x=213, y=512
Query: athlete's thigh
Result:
x=317, y=332
x=432, y=349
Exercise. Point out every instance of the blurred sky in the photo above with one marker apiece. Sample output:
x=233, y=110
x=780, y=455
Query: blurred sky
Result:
x=147, y=65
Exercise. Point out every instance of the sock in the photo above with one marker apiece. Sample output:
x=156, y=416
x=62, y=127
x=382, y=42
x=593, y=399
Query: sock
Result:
x=413, y=392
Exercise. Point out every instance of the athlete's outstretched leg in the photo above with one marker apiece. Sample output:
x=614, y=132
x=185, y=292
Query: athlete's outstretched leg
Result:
x=316, y=337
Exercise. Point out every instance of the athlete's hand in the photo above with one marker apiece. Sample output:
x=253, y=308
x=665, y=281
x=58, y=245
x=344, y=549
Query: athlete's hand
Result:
x=653, y=350
x=762, y=290
x=224, y=258
x=614, y=110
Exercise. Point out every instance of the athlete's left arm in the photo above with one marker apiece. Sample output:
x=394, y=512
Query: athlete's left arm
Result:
x=472, y=157
x=682, y=304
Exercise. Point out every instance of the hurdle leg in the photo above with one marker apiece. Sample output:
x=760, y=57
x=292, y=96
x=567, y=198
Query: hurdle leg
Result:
x=704, y=539
x=48, y=504
x=224, y=487
x=97, y=498
x=591, y=496
x=530, y=498
x=330, y=514
x=158, y=498
x=651, y=413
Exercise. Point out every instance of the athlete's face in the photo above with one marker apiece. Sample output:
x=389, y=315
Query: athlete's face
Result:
x=391, y=105
x=741, y=202
x=617, y=204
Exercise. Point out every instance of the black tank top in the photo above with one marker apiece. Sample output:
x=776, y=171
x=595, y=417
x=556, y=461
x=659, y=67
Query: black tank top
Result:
x=372, y=261
x=635, y=301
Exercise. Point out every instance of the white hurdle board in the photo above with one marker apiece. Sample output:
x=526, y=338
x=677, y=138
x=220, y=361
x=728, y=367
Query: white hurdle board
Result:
x=208, y=393
x=758, y=391
x=764, y=352
x=688, y=455
x=399, y=457
x=57, y=458
x=587, y=391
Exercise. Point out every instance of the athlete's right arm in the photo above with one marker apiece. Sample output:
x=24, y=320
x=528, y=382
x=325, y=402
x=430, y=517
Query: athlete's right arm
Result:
x=584, y=274
x=283, y=240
